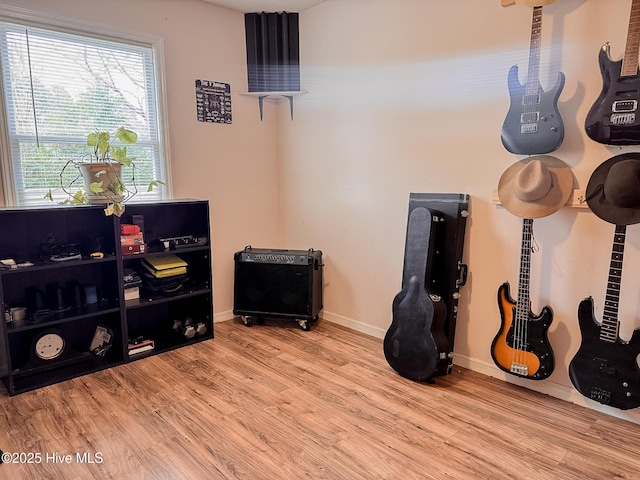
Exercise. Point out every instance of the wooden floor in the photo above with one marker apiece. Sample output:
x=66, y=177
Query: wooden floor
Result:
x=275, y=402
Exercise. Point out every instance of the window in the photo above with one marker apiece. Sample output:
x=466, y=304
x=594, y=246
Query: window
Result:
x=57, y=88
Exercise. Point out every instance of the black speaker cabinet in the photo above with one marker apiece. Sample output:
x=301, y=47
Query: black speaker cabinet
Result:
x=278, y=284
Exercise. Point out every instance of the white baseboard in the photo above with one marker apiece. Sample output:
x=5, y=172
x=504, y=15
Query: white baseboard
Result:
x=328, y=316
x=223, y=316
x=353, y=324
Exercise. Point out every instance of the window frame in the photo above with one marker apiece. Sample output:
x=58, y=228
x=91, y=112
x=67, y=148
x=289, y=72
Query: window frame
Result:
x=98, y=31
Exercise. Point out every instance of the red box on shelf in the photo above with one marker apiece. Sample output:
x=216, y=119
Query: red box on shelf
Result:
x=134, y=249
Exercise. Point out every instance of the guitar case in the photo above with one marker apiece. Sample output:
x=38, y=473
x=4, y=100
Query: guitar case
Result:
x=419, y=343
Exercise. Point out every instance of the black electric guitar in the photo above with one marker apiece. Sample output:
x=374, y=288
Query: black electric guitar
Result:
x=613, y=118
x=521, y=347
x=533, y=124
x=604, y=369
x=415, y=345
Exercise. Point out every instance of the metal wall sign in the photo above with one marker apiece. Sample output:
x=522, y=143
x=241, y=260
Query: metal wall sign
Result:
x=213, y=101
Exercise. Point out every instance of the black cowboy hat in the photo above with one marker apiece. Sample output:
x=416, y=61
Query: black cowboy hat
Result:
x=613, y=191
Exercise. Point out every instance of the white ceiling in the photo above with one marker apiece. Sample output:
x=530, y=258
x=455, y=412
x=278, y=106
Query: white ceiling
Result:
x=249, y=6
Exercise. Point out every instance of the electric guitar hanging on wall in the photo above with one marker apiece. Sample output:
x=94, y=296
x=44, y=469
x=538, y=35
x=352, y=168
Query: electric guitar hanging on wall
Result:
x=521, y=347
x=533, y=124
x=604, y=369
x=415, y=345
x=613, y=118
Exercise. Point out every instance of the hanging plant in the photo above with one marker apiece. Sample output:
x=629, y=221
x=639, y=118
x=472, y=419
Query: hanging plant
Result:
x=101, y=172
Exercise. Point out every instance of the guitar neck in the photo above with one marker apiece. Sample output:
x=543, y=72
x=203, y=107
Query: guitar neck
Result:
x=417, y=252
x=522, y=308
x=534, y=52
x=630, y=59
x=610, y=323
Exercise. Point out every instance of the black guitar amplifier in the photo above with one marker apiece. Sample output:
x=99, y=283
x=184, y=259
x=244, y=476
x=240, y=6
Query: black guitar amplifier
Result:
x=278, y=283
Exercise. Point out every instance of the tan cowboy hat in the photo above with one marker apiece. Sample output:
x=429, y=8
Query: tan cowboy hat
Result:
x=535, y=187
x=613, y=191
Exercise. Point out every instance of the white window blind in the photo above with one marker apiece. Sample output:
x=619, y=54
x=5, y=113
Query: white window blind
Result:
x=59, y=87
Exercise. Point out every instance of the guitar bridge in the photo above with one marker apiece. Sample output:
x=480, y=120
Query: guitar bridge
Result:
x=528, y=128
x=519, y=369
x=622, y=118
x=600, y=395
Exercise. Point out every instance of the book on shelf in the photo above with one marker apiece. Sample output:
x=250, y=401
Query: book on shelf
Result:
x=129, y=229
x=132, y=239
x=140, y=346
x=134, y=249
x=135, y=351
x=131, y=293
x=163, y=266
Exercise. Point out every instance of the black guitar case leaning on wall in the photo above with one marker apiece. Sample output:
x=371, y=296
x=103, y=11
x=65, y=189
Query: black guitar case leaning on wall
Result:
x=419, y=342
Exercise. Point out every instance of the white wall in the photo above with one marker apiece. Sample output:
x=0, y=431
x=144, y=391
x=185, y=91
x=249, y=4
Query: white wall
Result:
x=409, y=96
x=234, y=166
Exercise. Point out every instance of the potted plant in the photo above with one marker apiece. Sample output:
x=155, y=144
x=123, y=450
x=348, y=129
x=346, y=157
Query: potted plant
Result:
x=101, y=172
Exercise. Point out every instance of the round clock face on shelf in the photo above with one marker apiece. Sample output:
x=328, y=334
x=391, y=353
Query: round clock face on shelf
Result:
x=49, y=345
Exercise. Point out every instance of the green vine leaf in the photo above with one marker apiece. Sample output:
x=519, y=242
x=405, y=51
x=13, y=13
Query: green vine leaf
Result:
x=79, y=198
x=154, y=184
x=126, y=136
x=118, y=209
x=96, y=187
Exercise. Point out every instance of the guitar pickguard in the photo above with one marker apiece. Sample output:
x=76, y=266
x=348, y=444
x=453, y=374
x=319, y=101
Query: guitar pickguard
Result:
x=535, y=361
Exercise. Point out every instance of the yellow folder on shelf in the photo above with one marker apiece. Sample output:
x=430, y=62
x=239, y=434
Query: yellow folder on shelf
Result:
x=162, y=266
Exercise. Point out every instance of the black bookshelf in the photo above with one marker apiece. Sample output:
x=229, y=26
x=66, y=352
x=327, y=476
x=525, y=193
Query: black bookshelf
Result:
x=66, y=301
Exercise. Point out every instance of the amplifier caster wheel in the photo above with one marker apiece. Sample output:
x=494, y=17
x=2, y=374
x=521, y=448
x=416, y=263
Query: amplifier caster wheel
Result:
x=304, y=325
x=248, y=321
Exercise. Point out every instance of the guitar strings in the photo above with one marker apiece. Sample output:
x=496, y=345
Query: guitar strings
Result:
x=521, y=328
x=524, y=312
x=533, y=247
x=530, y=98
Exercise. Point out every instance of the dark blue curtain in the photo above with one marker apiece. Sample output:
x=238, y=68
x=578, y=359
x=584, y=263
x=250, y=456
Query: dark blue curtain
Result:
x=273, y=53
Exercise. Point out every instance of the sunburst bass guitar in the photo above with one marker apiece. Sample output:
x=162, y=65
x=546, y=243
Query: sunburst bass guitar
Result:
x=605, y=369
x=533, y=124
x=521, y=347
x=613, y=118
